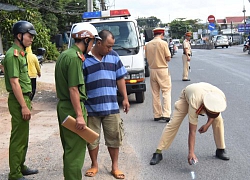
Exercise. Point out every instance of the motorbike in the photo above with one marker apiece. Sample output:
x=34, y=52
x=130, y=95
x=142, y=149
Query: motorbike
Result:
x=1, y=66
x=40, y=55
x=171, y=49
x=246, y=46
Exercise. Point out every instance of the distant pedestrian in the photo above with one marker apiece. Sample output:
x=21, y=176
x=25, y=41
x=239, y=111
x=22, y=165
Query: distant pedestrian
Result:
x=186, y=57
x=104, y=74
x=196, y=99
x=33, y=69
x=70, y=89
x=158, y=55
x=18, y=85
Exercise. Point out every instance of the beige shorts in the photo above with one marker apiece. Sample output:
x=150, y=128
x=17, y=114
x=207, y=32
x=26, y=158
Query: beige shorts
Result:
x=112, y=129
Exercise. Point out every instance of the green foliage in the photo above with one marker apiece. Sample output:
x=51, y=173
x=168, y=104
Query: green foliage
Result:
x=33, y=16
x=48, y=17
x=179, y=27
x=151, y=21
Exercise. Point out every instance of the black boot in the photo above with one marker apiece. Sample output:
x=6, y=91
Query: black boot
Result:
x=157, y=157
x=221, y=154
x=29, y=171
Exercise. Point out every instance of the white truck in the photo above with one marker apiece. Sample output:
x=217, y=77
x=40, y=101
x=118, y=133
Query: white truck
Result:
x=128, y=44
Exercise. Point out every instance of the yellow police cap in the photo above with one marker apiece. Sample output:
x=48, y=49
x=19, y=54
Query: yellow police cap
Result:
x=189, y=34
x=214, y=102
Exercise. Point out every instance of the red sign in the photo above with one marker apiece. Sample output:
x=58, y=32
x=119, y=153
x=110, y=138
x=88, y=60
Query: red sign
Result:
x=211, y=19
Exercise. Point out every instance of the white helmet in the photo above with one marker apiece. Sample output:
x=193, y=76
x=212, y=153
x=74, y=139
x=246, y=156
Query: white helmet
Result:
x=84, y=30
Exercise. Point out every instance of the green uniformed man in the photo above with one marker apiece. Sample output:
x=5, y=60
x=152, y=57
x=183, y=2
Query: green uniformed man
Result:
x=70, y=88
x=18, y=85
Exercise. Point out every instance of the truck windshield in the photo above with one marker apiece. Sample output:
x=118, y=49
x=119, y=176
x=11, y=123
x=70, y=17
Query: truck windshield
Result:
x=124, y=33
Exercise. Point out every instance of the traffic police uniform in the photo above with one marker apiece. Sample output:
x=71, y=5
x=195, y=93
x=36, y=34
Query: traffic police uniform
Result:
x=188, y=52
x=68, y=73
x=156, y=52
x=194, y=98
x=15, y=65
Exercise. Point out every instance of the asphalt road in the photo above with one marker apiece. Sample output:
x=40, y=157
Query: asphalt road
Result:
x=227, y=69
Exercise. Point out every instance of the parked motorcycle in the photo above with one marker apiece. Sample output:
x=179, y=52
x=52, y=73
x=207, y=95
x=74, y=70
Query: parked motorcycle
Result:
x=246, y=46
x=40, y=55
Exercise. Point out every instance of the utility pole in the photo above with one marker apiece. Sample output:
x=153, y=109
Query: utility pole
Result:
x=89, y=5
x=103, y=8
x=244, y=11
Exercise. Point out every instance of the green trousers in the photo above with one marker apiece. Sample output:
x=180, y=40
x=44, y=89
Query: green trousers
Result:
x=74, y=146
x=19, y=137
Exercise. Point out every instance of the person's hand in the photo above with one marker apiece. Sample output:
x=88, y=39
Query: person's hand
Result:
x=203, y=129
x=39, y=74
x=26, y=113
x=192, y=156
x=188, y=58
x=80, y=123
x=126, y=106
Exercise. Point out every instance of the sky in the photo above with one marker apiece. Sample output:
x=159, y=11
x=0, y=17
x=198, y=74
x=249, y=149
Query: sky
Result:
x=168, y=10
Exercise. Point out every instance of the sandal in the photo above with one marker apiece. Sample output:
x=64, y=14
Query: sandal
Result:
x=118, y=174
x=91, y=172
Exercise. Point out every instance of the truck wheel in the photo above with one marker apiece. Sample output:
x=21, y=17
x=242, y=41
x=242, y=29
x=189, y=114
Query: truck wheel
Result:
x=147, y=73
x=140, y=97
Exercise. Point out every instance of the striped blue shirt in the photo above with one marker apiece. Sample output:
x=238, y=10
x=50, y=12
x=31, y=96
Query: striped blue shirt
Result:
x=100, y=81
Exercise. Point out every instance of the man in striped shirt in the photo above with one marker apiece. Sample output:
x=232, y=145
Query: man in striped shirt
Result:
x=104, y=73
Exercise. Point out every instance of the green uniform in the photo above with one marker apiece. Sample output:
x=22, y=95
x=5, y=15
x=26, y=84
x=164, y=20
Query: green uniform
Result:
x=68, y=73
x=15, y=66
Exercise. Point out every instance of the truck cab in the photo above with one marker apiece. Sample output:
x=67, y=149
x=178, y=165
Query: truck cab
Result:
x=128, y=45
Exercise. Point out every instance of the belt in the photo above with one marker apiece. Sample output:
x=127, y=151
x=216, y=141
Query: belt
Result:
x=27, y=94
x=81, y=100
x=187, y=54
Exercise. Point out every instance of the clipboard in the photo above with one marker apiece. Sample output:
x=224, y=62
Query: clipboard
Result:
x=87, y=134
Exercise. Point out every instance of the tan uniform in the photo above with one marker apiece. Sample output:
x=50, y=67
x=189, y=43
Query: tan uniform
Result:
x=156, y=52
x=186, y=45
x=189, y=102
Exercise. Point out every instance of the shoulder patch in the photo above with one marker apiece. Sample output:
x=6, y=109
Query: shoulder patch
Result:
x=81, y=56
x=16, y=53
x=22, y=53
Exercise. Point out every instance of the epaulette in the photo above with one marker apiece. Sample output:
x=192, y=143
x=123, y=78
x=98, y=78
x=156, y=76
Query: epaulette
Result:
x=81, y=56
x=22, y=53
x=16, y=53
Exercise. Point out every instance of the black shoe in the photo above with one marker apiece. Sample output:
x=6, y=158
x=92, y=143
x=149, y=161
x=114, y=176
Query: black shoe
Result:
x=157, y=157
x=22, y=178
x=29, y=171
x=221, y=154
x=157, y=119
x=167, y=119
x=185, y=79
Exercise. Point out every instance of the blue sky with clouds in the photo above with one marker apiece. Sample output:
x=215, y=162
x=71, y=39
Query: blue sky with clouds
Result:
x=167, y=10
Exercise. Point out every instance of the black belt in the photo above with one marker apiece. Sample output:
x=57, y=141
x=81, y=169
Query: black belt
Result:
x=81, y=100
x=187, y=54
x=27, y=94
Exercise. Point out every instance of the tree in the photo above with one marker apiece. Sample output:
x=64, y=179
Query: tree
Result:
x=148, y=22
x=49, y=18
x=179, y=27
